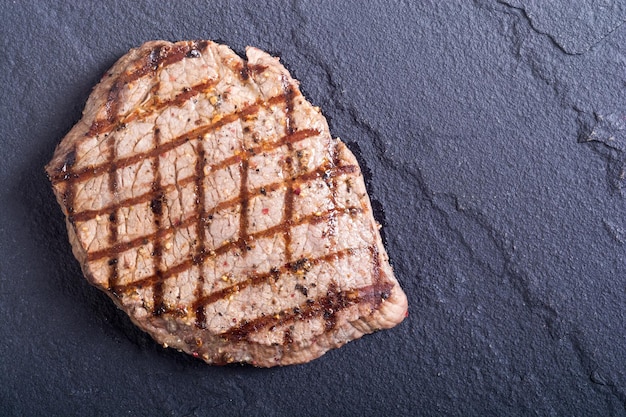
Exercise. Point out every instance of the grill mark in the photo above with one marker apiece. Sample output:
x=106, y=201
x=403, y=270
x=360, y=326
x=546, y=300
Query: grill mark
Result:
x=376, y=273
x=160, y=57
x=123, y=246
x=332, y=304
x=178, y=101
x=244, y=73
x=112, y=105
x=256, y=68
x=289, y=195
x=255, y=279
x=98, y=126
x=334, y=300
x=113, y=273
x=156, y=205
x=243, y=190
x=200, y=253
x=383, y=287
x=297, y=137
x=90, y=172
x=183, y=266
x=287, y=219
x=245, y=70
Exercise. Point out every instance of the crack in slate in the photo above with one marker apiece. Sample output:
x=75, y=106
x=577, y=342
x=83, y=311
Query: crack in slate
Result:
x=615, y=231
x=504, y=248
x=539, y=70
x=531, y=23
x=606, y=135
x=592, y=369
x=448, y=207
x=524, y=14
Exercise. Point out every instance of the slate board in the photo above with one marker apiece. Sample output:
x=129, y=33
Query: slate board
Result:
x=494, y=138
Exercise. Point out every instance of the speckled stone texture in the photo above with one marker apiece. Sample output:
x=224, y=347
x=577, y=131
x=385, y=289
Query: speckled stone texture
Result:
x=493, y=135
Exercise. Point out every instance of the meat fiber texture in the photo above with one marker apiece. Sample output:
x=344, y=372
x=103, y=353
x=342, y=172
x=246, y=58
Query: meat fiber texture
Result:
x=204, y=194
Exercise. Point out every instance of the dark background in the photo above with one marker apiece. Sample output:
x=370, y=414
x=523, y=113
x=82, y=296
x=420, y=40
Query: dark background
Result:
x=493, y=134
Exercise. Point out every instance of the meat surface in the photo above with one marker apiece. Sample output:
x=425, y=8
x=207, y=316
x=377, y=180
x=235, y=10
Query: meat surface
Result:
x=205, y=195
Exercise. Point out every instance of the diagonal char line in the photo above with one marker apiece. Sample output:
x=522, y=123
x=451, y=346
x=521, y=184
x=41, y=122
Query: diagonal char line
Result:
x=200, y=230
x=180, y=99
x=183, y=266
x=256, y=279
x=163, y=56
x=124, y=246
x=290, y=128
x=200, y=131
x=243, y=198
x=156, y=205
x=334, y=301
x=112, y=220
x=296, y=137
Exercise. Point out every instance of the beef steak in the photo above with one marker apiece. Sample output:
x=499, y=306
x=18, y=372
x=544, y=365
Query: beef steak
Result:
x=205, y=195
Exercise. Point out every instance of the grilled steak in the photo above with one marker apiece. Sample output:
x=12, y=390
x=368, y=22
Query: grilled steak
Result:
x=206, y=196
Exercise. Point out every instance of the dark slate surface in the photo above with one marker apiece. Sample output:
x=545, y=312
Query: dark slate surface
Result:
x=494, y=137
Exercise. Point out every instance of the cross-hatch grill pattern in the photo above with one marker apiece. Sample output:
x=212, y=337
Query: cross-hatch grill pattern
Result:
x=280, y=196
